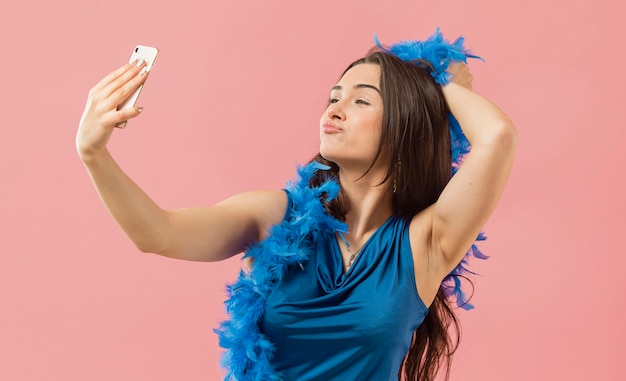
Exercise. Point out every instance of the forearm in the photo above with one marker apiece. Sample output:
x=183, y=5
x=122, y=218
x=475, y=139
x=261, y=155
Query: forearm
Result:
x=482, y=122
x=145, y=223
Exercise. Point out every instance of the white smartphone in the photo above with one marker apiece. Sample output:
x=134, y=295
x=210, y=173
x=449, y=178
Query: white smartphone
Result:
x=148, y=54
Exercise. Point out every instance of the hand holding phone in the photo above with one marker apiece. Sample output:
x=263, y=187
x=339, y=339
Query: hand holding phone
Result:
x=140, y=53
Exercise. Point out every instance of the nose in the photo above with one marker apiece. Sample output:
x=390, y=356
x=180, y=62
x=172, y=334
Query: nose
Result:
x=335, y=111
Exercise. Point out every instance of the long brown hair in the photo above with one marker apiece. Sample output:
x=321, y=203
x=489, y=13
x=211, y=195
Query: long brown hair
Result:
x=416, y=135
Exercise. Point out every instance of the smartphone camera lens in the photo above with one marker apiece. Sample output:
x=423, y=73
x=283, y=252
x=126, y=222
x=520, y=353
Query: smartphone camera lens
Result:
x=136, y=49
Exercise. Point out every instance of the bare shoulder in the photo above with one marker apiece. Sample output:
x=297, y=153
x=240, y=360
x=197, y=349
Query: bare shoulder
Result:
x=265, y=207
x=274, y=203
x=428, y=265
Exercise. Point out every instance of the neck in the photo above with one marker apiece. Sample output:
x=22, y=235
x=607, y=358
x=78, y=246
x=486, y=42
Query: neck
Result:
x=371, y=203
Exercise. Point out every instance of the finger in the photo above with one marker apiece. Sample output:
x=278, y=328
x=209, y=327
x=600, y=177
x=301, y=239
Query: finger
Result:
x=121, y=95
x=123, y=116
x=127, y=75
x=112, y=76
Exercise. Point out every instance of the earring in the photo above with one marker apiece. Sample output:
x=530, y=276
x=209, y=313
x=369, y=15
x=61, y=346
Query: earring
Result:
x=398, y=168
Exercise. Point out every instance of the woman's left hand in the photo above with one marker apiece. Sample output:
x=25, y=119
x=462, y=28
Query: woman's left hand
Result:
x=461, y=74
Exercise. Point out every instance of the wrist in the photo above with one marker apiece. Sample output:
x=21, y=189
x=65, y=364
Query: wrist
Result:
x=90, y=155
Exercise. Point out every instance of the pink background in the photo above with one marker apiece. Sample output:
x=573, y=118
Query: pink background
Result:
x=232, y=105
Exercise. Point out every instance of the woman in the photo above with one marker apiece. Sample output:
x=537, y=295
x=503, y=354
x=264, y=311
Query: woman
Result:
x=366, y=303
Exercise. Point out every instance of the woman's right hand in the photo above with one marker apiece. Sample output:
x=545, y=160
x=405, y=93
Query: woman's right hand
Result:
x=461, y=74
x=101, y=114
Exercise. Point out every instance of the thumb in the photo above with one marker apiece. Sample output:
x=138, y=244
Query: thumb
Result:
x=124, y=115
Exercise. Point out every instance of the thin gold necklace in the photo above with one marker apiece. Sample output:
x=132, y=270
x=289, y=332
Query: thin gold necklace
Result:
x=352, y=255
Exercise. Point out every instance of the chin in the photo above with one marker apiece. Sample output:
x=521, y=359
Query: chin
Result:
x=329, y=154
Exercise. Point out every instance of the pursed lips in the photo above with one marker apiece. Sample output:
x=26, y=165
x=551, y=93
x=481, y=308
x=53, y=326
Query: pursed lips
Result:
x=331, y=128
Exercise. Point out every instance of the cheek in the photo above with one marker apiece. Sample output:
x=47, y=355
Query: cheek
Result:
x=376, y=129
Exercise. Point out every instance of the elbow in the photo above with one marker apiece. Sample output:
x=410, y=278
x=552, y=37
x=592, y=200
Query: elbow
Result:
x=502, y=136
x=509, y=138
x=158, y=237
x=148, y=248
x=154, y=243
x=507, y=135
x=145, y=248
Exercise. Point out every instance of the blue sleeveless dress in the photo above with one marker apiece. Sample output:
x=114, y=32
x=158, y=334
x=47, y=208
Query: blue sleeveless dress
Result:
x=329, y=325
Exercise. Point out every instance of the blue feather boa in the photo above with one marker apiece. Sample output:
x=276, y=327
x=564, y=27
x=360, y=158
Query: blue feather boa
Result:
x=248, y=352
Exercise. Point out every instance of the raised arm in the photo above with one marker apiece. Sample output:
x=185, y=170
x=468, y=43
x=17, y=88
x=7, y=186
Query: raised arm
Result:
x=472, y=194
x=202, y=234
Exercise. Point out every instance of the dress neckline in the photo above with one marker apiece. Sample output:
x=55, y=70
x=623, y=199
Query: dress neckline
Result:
x=361, y=250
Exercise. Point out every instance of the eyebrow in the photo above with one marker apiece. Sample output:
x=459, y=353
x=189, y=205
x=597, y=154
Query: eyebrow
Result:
x=359, y=86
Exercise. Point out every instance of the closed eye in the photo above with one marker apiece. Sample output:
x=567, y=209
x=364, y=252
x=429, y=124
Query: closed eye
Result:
x=362, y=102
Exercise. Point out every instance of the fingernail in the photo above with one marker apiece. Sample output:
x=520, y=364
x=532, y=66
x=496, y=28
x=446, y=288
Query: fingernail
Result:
x=140, y=62
x=139, y=109
x=143, y=71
